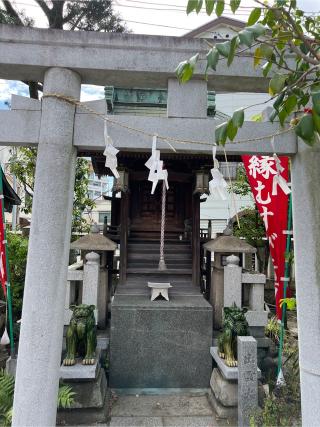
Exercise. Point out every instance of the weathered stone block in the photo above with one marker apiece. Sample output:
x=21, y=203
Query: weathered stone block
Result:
x=222, y=411
x=159, y=343
x=91, y=404
x=225, y=391
x=179, y=97
x=80, y=371
x=257, y=318
x=247, y=380
x=256, y=297
x=228, y=372
x=232, y=293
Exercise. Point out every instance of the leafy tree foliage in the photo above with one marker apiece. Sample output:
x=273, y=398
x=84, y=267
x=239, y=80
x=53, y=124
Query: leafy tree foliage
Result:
x=90, y=15
x=284, y=42
x=23, y=166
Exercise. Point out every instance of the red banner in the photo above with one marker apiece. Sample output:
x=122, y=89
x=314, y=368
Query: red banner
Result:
x=3, y=266
x=267, y=177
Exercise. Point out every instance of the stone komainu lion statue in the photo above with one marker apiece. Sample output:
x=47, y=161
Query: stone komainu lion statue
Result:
x=81, y=337
x=234, y=324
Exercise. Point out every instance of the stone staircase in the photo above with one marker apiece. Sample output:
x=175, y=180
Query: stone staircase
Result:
x=143, y=259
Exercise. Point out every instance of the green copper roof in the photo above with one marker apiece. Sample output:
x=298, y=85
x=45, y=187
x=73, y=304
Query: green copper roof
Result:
x=144, y=101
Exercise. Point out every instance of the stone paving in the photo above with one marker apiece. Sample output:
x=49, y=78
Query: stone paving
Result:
x=187, y=410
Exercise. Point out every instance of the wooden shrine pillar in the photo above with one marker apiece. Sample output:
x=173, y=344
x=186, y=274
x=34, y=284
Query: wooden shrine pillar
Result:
x=196, y=239
x=124, y=229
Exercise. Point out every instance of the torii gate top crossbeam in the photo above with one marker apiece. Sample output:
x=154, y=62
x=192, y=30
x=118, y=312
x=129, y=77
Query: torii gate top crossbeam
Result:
x=115, y=59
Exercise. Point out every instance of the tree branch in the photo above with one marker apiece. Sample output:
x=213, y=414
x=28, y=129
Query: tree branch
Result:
x=45, y=8
x=11, y=11
x=302, y=55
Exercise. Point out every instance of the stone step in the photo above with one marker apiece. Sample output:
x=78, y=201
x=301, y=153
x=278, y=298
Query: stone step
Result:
x=173, y=257
x=157, y=276
x=156, y=249
x=155, y=261
x=164, y=272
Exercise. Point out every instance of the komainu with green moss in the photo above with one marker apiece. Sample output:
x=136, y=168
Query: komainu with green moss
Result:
x=81, y=335
x=234, y=324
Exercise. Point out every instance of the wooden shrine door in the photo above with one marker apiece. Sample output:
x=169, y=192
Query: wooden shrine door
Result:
x=146, y=207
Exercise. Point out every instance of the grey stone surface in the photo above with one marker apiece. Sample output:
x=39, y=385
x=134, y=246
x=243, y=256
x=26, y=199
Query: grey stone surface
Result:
x=253, y=278
x=190, y=421
x=150, y=60
x=91, y=404
x=22, y=128
x=80, y=371
x=226, y=391
x=257, y=318
x=216, y=293
x=91, y=280
x=232, y=290
x=306, y=208
x=180, y=404
x=256, y=297
x=44, y=293
x=220, y=410
x=228, y=372
x=160, y=343
x=136, y=422
x=248, y=379
x=179, y=97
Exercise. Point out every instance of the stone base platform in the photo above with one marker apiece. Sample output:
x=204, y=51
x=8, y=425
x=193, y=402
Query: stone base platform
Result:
x=160, y=344
x=91, y=400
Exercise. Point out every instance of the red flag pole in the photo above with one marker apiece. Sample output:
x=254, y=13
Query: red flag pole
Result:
x=6, y=267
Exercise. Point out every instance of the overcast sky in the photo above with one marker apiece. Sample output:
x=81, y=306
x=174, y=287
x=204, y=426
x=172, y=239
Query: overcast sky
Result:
x=162, y=17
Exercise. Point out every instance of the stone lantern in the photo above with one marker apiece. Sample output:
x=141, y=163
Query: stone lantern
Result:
x=94, y=250
x=223, y=247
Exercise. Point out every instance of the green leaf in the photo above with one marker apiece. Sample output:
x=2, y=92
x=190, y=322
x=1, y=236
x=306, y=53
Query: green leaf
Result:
x=282, y=114
x=257, y=30
x=238, y=118
x=233, y=46
x=224, y=48
x=277, y=84
x=316, y=101
x=219, y=7
x=266, y=51
x=257, y=57
x=199, y=6
x=209, y=6
x=273, y=115
x=254, y=16
x=305, y=129
x=212, y=59
x=221, y=133
x=185, y=69
x=290, y=104
x=266, y=68
x=278, y=101
x=246, y=37
x=192, y=4
x=234, y=5
x=231, y=130
x=316, y=121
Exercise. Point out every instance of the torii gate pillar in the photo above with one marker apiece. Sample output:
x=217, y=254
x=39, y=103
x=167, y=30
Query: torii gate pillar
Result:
x=44, y=293
x=306, y=220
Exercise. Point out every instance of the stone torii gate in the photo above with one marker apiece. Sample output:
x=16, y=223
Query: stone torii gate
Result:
x=62, y=61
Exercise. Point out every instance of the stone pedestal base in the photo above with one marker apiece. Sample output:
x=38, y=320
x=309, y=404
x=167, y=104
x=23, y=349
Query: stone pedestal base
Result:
x=222, y=411
x=160, y=344
x=91, y=401
x=223, y=395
